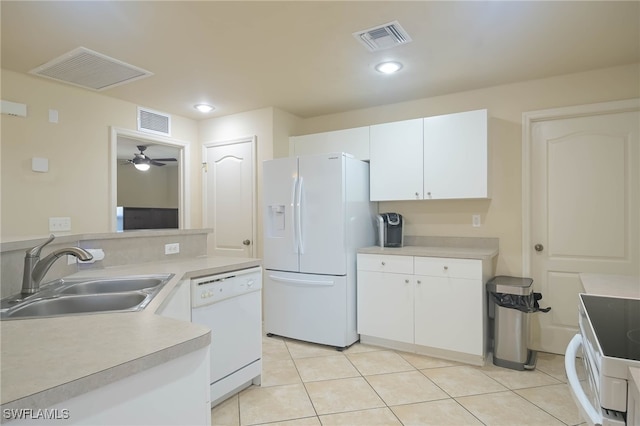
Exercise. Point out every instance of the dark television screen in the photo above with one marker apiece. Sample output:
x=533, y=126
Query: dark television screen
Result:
x=149, y=218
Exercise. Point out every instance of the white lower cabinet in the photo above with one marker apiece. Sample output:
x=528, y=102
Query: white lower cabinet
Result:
x=385, y=309
x=175, y=392
x=435, y=305
x=633, y=397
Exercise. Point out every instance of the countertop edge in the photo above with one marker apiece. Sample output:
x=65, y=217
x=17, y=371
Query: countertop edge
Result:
x=20, y=243
x=184, y=270
x=66, y=391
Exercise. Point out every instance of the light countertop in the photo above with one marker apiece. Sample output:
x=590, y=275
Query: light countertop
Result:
x=46, y=361
x=434, y=251
x=611, y=285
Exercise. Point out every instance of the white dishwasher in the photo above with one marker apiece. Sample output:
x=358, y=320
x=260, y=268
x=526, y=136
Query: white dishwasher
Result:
x=230, y=304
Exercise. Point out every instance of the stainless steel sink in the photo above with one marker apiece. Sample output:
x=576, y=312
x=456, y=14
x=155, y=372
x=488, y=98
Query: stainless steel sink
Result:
x=84, y=296
x=65, y=305
x=113, y=285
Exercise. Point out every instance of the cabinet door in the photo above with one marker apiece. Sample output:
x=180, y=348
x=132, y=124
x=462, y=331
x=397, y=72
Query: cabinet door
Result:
x=352, y=141
x=449, y=314
x=385, y=305
x=396, y=161
x=456, y=156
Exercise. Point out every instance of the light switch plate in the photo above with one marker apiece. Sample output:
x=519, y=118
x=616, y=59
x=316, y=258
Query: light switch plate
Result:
x=53, y=116
x=475, y=220
x=40, y=165
x=59, y=224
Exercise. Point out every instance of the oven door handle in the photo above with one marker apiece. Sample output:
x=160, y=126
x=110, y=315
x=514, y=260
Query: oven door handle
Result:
x=594, y=416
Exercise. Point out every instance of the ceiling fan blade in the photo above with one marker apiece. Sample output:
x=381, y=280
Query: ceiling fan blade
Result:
x=165, y=159
x=155, y=163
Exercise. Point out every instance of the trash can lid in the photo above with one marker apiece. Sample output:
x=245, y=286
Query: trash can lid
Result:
x=510, y=285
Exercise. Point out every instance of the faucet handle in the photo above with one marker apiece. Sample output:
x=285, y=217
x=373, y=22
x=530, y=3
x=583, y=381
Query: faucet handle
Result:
x=35, y=251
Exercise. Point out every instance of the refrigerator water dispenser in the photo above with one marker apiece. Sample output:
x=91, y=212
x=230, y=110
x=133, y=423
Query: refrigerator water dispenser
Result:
x=276, y=223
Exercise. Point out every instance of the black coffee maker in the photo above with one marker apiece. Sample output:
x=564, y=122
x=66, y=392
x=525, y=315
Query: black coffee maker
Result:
x=390, y=230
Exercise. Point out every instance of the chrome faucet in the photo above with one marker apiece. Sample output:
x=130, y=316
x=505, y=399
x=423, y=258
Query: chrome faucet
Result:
x=35, y=269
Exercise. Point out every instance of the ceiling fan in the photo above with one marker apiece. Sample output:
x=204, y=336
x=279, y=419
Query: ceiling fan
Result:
x=142, y=161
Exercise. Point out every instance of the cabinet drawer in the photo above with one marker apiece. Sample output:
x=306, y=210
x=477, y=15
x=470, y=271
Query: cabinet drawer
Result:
x=381, y=263
x=448, y=267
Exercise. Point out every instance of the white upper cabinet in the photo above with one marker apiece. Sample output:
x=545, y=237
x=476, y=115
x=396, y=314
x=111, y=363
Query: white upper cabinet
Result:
x=435, y=158
x=456, y=156
x=352, y=141
x=396, y=160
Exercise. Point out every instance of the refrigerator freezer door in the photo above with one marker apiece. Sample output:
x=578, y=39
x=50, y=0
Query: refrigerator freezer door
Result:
x=280, y=178
x=322, y=214
x=307, y=307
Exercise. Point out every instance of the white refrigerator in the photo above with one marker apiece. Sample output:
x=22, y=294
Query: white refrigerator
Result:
x=317, y=213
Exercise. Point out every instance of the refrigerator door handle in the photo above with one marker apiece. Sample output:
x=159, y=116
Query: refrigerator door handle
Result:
x=294, y=233
x=301, y=282
x=299, y=216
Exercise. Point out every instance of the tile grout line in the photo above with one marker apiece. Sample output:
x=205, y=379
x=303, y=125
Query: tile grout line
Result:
x=413, y=368
x=302, y=381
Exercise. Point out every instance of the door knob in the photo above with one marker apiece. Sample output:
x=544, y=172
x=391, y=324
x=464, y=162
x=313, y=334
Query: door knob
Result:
x=246, y=242
x=538, y=247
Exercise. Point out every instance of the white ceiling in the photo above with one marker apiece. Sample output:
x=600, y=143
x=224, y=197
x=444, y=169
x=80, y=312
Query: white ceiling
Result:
x=127, y=148
x=300, y=56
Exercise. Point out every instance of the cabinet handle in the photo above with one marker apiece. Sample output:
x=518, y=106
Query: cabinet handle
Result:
x=406, y=281
x=383, y=263
x=446, y=267
x=419, y=282
x=417, y=195
x=429, y=194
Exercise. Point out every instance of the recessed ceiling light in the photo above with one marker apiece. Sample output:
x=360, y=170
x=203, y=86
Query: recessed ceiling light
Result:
x=388, y=67
x=203, y=107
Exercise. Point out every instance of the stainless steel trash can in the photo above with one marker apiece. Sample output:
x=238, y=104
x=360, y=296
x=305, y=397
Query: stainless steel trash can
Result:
x=511, y=300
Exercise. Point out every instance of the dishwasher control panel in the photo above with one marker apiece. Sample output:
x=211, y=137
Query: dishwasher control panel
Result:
x=214, y=288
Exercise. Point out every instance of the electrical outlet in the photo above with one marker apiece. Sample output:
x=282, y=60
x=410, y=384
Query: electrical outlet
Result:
x=172, y=248
x=475, y=220
x=58, y=224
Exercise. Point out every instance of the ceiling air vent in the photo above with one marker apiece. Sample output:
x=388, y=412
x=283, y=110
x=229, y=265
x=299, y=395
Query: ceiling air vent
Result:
x=154, y=122
x=383, y=36
x=92, y=70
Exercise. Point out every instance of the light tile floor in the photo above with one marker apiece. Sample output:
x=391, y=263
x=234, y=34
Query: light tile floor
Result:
x=308, y=384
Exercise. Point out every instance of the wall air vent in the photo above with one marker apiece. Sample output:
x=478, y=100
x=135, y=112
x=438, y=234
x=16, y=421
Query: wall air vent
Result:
x=383, y=36
x=91, y=70
x=154, y=122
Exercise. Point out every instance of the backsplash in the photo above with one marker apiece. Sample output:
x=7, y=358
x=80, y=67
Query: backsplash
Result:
x=123, y=248
x=468, y=242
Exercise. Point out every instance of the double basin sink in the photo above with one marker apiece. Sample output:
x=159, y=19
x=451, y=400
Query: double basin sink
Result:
x=82, y=296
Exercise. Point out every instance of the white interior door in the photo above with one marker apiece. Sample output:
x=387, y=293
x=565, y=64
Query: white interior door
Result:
x=584, y=214
x=229, y=197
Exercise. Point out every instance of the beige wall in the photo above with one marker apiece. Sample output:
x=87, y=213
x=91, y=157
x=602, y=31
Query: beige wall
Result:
x=270, y=126
x=156, y=187
x=77, y=184
x=502, y=215
x=80, y=189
